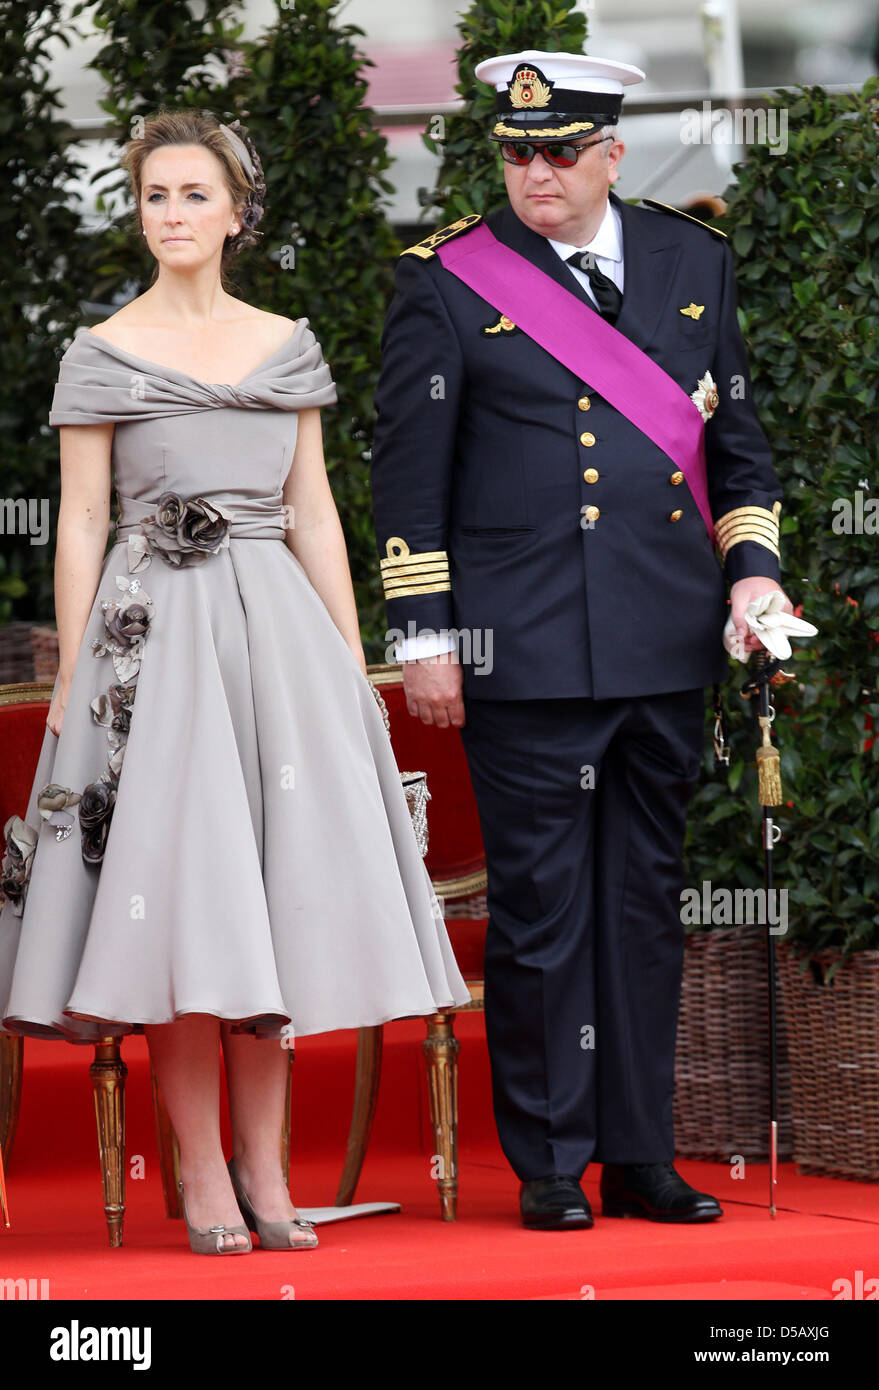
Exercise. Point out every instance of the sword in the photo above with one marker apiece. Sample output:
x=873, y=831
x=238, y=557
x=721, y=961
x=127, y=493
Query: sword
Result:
x=769, y=672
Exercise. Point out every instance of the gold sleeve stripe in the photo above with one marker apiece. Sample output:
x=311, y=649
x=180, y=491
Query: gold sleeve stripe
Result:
x=412, y=569
x=745, y=534
x=751, y=513
x=393, y=587
x=417, y=589
x=748, y=510
x=756, y=524
x=758, y=527
x=404, y=574
x=748, y=536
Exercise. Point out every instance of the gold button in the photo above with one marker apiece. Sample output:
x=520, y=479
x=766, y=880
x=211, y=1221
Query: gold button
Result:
x=675, y=516
x=592, y=513
x=591, y=475
x=587, y=438
x=676, y=478
x=583, y=403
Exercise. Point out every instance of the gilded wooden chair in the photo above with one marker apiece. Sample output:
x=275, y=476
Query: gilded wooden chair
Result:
x=23, y=711
x=456, y=864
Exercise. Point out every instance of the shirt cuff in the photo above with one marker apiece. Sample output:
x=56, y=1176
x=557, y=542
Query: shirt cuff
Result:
x=426, y=644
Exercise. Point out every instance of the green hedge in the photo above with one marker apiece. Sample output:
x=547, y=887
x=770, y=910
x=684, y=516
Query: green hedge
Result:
x=804, y=231
x=41, y=250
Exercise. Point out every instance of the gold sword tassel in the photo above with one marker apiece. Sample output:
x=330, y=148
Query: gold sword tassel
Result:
x=768, y=767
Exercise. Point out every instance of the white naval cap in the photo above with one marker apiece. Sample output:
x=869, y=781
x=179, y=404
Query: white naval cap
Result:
x=554, y=95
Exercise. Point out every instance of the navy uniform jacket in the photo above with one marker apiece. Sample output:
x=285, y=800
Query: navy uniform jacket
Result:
x=487, y=451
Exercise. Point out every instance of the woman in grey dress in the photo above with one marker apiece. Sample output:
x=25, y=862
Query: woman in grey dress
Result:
x=217, y=845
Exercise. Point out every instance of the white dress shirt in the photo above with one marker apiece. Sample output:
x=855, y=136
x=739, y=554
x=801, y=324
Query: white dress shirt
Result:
x=607, y=248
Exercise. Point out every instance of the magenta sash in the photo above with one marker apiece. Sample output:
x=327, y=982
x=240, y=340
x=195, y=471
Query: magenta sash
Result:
x=590, y=347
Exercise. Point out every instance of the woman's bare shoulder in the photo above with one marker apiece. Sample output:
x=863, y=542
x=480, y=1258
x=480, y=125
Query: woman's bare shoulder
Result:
x=275, y=329
x=112, y=327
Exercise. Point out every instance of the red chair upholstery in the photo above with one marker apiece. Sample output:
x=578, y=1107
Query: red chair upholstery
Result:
x=455, y=856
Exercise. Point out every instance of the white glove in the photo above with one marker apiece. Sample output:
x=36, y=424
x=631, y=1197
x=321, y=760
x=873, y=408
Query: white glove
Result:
x=773, y=627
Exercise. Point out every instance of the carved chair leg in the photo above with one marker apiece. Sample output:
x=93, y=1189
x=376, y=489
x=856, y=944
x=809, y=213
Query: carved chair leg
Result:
x=169, y=1151
x=441, y=1049
x=366, y=1079
x=11, y=1060
x=108, y=1073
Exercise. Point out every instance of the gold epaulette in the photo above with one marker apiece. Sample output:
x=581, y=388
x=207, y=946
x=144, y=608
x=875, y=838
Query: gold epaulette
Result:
x=676, y=212
x=756, y=524
x=403, y=573
x=425, y=248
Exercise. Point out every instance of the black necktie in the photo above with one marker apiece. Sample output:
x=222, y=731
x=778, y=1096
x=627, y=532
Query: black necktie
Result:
x=607, y=296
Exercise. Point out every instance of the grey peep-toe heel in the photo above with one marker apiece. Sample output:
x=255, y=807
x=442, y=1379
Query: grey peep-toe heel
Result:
x=273, y=1235
x=207, y=1242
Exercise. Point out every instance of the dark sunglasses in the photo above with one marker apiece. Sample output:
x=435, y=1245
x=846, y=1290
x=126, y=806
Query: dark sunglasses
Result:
x=561, y=156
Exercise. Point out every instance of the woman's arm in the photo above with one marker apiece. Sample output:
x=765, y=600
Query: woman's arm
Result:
x=83, y=527
x=316, y=537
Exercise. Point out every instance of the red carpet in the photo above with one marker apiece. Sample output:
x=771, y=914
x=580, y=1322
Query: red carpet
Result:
x=825, y=1230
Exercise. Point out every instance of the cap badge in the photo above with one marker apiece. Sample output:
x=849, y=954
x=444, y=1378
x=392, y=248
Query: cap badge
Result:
x=529, y=89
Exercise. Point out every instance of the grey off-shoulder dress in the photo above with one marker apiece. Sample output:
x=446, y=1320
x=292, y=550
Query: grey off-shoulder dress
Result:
x=220, y=826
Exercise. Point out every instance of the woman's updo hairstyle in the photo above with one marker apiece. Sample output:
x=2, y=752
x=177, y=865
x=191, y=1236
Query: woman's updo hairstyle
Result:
x=232, y=146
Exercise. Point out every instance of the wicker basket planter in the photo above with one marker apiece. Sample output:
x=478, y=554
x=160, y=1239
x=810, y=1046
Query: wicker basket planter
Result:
x=16, y=653
x=44, y=641
x=28, y=652
x=721, y=1104
x=834, y=1033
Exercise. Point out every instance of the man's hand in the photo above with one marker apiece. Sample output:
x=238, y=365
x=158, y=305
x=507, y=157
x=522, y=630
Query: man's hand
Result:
x=740, y=595
x=432, y=685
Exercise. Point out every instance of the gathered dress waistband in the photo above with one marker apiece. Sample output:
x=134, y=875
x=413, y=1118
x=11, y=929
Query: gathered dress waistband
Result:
x=253, y=518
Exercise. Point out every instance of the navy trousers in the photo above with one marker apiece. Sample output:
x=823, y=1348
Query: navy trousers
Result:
x=582, y=805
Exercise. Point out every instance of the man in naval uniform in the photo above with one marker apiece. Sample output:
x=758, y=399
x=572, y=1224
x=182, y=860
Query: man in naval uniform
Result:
x=555, y=580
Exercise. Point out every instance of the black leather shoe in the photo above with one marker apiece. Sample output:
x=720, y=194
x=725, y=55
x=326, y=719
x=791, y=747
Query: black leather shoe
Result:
x=555, y=1203
x=653, y=1190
